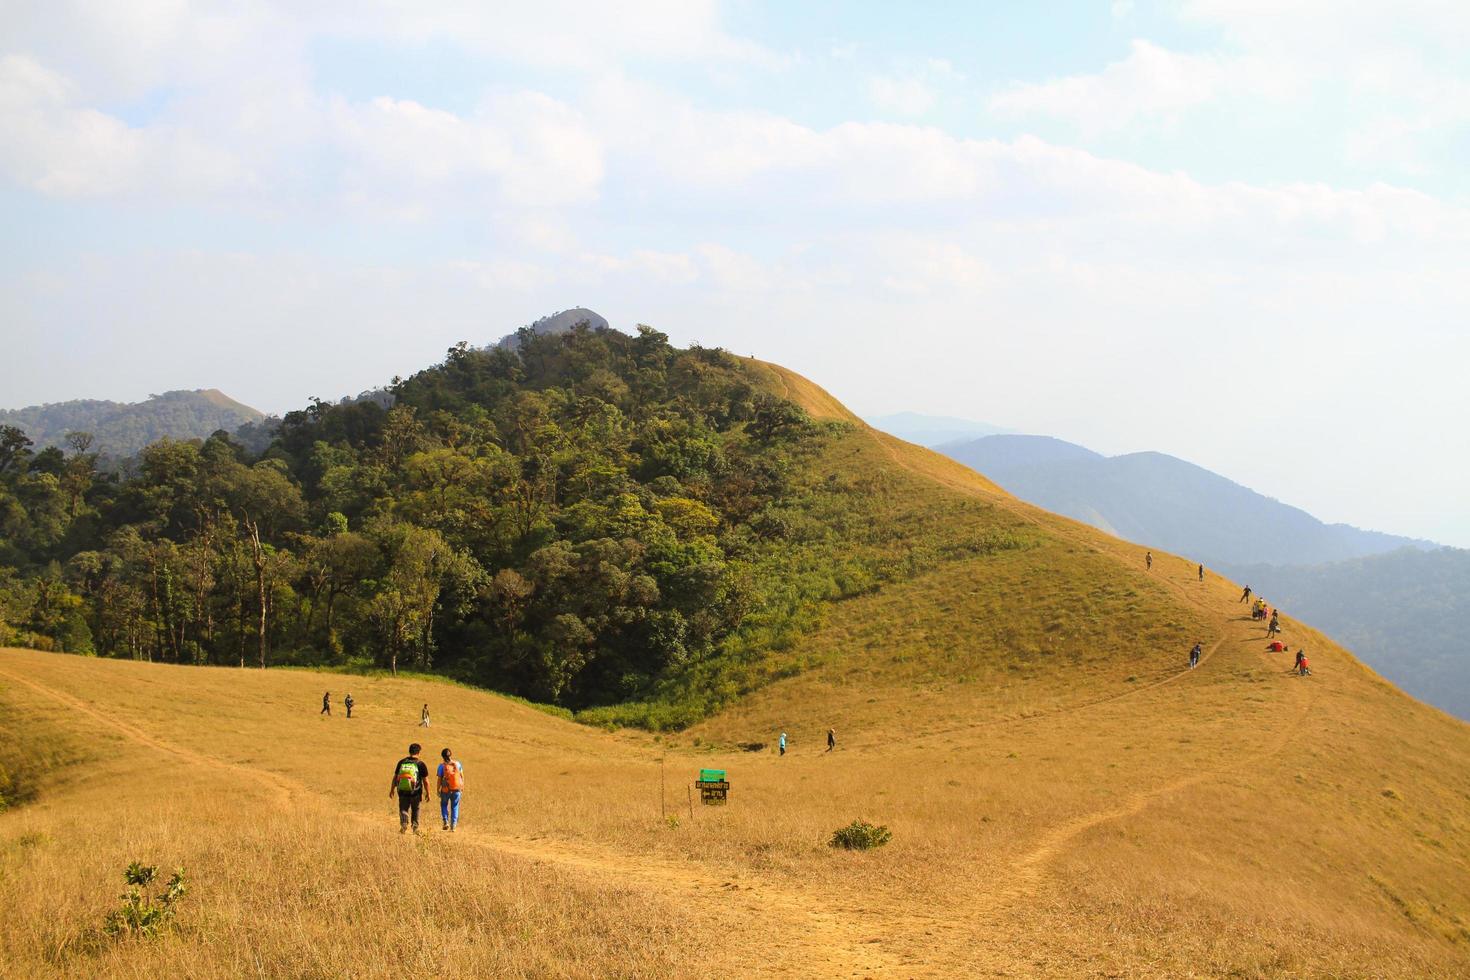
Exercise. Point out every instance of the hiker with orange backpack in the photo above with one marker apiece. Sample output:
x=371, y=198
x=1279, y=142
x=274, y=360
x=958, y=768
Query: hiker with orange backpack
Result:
x=451, y=784
x=410, y=782
x=1301, y=667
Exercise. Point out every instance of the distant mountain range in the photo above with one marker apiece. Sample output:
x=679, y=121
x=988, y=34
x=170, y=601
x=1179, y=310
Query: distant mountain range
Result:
x=123, y=428
x=1166, y=502
x=1402, y=604
x=932, y=430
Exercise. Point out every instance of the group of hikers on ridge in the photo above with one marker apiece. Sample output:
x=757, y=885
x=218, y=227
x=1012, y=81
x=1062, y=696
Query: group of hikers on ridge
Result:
x=347, y=703
x=411, y=784
x=1261, y=609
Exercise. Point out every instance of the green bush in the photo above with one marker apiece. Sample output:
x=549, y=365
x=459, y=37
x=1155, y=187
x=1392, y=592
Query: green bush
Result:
x=141, y=912
x=861, y=836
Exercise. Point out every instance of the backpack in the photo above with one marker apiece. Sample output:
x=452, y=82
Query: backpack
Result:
x=408, y=776
x=452, y=779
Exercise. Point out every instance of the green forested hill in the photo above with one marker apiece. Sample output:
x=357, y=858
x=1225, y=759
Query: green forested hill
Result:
x=122, y=428
x=590, y=519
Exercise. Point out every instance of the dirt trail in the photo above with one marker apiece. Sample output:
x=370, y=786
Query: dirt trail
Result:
x=794, y=931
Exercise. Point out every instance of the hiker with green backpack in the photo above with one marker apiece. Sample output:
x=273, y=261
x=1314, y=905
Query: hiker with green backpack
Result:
x=410, y=782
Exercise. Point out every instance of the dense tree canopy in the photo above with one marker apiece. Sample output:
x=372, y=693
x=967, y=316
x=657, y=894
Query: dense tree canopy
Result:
x=574, y=520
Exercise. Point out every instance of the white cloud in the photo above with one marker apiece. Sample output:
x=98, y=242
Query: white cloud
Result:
x=915, y=89
x=520, y=149
x=63, y=149
x=1152, y=82
x=905, y=96
x=1395, y=73
x=123, y=50
x=566, y=34
x=395, y=157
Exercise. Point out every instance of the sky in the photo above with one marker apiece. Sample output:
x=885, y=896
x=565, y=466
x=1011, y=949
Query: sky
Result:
x=1236, y=231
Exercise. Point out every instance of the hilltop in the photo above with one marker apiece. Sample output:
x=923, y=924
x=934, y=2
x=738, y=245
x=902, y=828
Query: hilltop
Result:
x=123, y=428
x=1006, y=686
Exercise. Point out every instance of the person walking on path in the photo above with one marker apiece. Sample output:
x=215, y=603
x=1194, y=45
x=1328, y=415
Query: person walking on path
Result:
x=831, y=739
x=347, y=703
x=1301, y=663
x=424, y=717
x=1202, y=573
x=1246, y=595
x=1194, y=656
x=451, y=784
x=782, y=743
x=1275, y=625
x=411, y=783
x=327, y=703
x=1148, y=560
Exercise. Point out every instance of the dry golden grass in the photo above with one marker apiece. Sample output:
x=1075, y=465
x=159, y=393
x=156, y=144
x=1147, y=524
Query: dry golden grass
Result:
x=1064, y=798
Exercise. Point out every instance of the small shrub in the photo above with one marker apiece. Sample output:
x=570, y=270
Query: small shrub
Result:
x=141, y=912
x=860, y=836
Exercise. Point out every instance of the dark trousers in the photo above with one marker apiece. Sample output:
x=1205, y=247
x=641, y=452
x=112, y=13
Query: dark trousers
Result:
x=408, y=809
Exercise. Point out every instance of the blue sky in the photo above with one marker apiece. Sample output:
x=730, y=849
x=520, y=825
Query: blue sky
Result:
x=1231, y=230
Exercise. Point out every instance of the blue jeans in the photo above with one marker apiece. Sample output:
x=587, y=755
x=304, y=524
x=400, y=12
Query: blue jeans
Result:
x=449, y=807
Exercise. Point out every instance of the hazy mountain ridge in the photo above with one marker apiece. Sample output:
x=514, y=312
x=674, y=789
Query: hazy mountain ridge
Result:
x=932, y=430
x=1157, y=499
x=124, y=428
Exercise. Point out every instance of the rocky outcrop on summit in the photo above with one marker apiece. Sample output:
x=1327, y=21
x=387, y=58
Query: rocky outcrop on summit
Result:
x=556, y=323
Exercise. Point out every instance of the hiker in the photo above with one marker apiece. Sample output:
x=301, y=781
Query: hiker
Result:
x=1246, y=595
x=1275, y=625
x=782, y=743
x=451, y=784
x=327, y=703
x=1202, y=573
x=424, y=717
x=1303, y=669
x=1148, y=561
x=347, y=703
x=410, y=782
x=1194, y=656
x=831, y=740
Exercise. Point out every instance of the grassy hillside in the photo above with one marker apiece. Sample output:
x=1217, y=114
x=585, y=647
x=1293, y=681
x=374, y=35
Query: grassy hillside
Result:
x=123, y=428
x=1064, y=798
